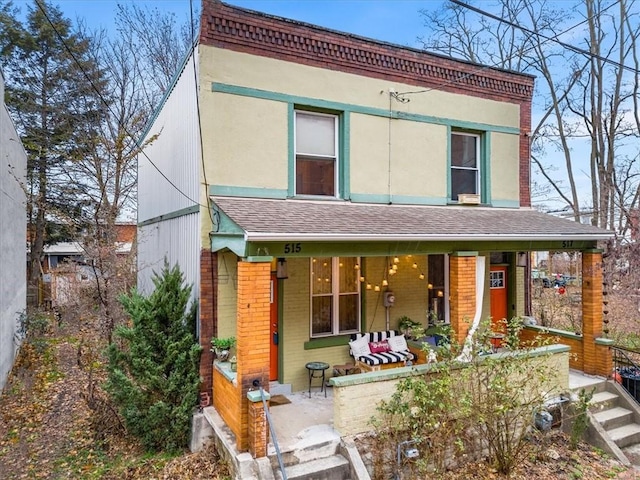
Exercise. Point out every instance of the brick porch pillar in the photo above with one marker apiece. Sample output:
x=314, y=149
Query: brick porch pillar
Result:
x=462, y=291
x=597, y=357
x=252, y=333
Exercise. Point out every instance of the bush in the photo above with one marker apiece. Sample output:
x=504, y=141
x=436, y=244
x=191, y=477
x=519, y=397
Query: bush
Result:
x=154, y=364
x=461, y=410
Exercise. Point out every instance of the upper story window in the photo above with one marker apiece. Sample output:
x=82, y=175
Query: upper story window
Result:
x=335, y=296
x=316, y=150
x=465, y=164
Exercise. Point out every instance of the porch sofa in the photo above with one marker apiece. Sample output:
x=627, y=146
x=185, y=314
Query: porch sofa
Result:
x=374, y=351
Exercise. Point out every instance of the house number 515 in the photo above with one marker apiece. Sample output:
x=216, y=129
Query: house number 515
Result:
x=292, y=248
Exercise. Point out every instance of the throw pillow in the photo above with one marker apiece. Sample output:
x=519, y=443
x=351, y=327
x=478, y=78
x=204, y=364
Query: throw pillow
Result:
x=379, y=347
x=359, y=347
x=398, y=343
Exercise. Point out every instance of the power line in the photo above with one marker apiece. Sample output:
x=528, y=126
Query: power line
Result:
x=497, y=64
x=102, y=99
x=568, y=46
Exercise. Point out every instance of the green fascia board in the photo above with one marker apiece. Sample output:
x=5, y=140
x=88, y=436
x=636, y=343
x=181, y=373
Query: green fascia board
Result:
x=485, y=169
x=383, y=248
x=346, y=107
x=226, y=234
x=235, y=243
x=171, y=215
x=252, y=192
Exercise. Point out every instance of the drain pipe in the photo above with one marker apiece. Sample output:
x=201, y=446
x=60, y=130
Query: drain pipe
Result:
x=257, y=384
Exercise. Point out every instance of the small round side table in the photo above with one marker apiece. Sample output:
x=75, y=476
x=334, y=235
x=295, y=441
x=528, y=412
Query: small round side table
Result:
x=316, y=370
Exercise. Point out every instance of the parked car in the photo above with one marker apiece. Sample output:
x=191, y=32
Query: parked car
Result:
x=540, y=279
x=559, y=281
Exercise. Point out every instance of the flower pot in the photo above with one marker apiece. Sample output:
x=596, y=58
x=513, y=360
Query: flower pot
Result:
x=222, y=354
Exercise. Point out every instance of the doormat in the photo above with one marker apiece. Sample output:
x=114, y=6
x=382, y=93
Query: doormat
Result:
x=278, y=400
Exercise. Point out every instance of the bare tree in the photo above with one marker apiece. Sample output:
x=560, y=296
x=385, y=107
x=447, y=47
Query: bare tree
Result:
x=140, y=64
x=585, y=92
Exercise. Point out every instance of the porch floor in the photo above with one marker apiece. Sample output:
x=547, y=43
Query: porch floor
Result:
x=303, y=421
x=307, y=420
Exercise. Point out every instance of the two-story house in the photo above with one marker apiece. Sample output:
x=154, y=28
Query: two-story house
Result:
x=301, y=174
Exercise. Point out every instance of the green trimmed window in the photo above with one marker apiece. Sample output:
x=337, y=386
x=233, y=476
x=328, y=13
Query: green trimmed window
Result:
x=335, y=296
x=316, y=154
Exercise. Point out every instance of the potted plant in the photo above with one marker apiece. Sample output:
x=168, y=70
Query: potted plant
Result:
x=408, y=326
x=222, y=346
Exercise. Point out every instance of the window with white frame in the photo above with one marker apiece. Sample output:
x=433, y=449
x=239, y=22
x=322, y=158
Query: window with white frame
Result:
x=465, y=164
x=335, y=296
x=316, y=148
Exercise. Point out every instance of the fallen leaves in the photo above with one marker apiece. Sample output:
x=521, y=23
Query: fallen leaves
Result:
x=47, y=429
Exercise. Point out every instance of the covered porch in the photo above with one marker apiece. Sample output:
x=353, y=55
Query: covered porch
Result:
x=457, y=246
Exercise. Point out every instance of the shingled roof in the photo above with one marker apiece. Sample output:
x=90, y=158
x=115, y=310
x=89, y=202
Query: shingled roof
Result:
x=300, y=220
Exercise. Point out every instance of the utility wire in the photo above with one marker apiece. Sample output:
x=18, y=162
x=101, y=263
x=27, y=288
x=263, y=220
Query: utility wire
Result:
x=102, y=99
x=568, y=46
x=495, y=65
x=195, y=80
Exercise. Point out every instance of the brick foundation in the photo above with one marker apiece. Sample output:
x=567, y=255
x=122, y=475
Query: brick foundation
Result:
x=207, y=314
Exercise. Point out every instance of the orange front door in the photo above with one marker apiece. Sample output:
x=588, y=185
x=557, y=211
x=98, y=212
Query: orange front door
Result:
x=273, y=360
x=498, y=287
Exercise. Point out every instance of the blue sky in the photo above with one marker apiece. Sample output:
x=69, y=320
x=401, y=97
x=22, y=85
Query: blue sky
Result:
x=396, y=21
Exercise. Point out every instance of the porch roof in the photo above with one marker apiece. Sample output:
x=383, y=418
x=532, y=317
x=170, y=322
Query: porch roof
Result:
x=274, y=220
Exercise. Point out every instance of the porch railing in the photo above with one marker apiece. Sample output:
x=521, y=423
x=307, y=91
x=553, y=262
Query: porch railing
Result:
x=626, y=364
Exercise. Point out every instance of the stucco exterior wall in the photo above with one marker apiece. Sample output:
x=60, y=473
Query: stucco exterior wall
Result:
x=503, y=169
x=248, y=138
x=393, y=150
x=13, y=241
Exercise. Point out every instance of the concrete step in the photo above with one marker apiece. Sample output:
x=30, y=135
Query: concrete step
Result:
x=313, y=443
x=626, y=435
x=335, y=467
x=603, y=401
x=614, y=417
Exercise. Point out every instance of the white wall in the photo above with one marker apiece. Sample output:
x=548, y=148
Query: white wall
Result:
x=13, y=244
x=169, y=186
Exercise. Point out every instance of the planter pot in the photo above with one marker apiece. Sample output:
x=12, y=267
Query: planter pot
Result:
x=221, y=354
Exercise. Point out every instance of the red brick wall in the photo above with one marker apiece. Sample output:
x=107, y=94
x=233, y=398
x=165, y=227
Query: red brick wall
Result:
x=234, y=28
x=208, y=317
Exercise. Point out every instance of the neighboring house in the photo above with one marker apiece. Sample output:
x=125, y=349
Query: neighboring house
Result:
x=13, y=240
x=65, y=266
x=306, y=173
